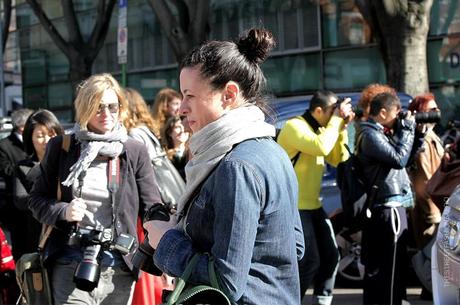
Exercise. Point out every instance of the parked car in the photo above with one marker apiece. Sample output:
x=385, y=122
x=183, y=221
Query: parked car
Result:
x=350, y=270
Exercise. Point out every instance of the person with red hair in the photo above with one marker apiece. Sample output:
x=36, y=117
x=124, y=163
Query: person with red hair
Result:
x=368, y=94
x=425, y=215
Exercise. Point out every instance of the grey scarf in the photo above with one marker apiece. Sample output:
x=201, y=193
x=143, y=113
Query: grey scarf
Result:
x=210, y=144
x=93, y=144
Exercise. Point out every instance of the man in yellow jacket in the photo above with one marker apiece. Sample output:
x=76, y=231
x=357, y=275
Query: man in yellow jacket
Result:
x=316, y=137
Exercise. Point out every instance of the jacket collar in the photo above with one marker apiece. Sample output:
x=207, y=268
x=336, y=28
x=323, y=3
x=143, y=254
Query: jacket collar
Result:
x=311, y=121
x=373, y=124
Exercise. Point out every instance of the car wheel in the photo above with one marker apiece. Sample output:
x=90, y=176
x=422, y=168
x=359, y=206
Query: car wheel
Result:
x=350, y=270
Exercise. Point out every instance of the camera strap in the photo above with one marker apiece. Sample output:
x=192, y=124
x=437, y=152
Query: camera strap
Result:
x=113, y=175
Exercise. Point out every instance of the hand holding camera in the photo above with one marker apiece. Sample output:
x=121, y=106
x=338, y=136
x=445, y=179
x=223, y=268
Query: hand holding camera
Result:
x=157, y=228
x=75, y=211
x=344, y=109
x=157, y=220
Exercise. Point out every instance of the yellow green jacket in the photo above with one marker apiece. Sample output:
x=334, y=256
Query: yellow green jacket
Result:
x=315, y=149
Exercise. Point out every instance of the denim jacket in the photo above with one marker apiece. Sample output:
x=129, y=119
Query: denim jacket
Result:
x=246, y=217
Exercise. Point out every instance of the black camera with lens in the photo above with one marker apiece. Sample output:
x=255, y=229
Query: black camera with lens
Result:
x=143, y=257
x=92, y=241
x=424, y=117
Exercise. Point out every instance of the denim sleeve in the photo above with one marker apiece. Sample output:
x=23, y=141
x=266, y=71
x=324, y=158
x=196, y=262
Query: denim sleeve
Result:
x=237, y=201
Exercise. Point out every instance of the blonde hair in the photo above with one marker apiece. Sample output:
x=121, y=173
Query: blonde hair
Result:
x=160, y=106
x=138, y=111
x=89, y=94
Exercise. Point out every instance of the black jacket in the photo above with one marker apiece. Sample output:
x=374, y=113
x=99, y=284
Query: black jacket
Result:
x=138, y=191
x=11, y=152
x=386, y=156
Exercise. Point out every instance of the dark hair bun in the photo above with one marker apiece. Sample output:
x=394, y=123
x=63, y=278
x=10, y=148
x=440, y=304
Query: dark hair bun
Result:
x=256, y=45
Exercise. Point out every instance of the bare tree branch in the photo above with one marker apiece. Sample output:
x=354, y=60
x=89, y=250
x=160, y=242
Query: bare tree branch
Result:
x=6, y=22
x=199, y=21
x=171, y=27
x=70, y=18
x=104, y=14
x=184, y=13
x=49, y=27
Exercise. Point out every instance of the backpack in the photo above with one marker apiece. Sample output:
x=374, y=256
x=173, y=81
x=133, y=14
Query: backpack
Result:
x=355, y=194
x=170, y=184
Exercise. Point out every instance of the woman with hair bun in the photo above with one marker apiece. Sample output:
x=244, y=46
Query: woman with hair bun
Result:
x=240, y=204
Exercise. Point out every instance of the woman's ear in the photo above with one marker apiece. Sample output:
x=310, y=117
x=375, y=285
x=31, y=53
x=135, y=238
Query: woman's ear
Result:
x=383, y=113
x=231, y=94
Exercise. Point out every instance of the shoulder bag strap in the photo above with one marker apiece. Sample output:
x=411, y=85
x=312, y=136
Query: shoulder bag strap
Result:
x=47, y=229
x=313, y=124
x=183, y=279
x=374, y=186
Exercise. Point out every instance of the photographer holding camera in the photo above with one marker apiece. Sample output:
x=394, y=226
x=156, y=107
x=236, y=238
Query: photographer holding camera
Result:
x=383, y=157
x=106, y=181
x=313, y=139
x=425, y=215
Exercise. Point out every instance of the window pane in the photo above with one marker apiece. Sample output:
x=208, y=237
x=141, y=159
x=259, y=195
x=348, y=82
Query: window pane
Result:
x=447, y=97
x=148, y=84
x=33, y=67
x=293, y=23
x=291, y=29
x=64, y=116
x=58, y=66
x=343, y=24
x=35, y=97
x=293, y=74
x=60, y=95
x=353, y=68
x=445, y=17
x=443, y=60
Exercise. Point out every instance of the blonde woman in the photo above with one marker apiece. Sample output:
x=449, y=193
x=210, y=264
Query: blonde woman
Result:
x=167, y=103
x=106, y=182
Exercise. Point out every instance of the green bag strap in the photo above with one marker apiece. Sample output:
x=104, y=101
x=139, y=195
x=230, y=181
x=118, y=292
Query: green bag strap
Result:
x=182, y=280
x=212, y=273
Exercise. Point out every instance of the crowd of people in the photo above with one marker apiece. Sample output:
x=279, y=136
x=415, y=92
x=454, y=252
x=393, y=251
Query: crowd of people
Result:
x=237, y=198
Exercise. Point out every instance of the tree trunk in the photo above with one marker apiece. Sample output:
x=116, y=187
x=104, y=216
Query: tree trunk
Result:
x=79, y=69
x=403, y=30
x=406, y=62
x=186, y=30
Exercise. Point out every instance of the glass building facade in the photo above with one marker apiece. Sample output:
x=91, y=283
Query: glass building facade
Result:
x=327, y=45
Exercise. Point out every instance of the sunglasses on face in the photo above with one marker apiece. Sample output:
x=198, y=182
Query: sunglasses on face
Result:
x=113, y=108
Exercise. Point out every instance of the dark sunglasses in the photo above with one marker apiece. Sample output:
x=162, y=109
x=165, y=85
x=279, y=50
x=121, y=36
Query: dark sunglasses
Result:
x=113, y=108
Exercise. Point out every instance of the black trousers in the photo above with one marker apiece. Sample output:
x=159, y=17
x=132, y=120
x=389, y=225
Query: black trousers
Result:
x=382, y=266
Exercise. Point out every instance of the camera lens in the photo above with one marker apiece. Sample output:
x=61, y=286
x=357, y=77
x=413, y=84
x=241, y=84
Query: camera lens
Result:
x=143, y=258
x=88, y=271
x=428, y=117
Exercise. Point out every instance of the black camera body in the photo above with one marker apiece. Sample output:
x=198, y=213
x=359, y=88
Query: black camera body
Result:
x=424, y=117
x=92, y=241
x=143, y=257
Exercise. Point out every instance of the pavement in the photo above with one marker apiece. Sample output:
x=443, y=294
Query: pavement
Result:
x=353, y=296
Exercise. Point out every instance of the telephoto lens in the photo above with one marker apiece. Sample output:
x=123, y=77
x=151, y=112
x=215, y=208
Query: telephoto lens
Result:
x=143, y=257
x=428, y=117
x=87, y=273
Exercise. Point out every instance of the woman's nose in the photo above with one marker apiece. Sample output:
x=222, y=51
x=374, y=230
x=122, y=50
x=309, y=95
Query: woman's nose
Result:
x=182, y=109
